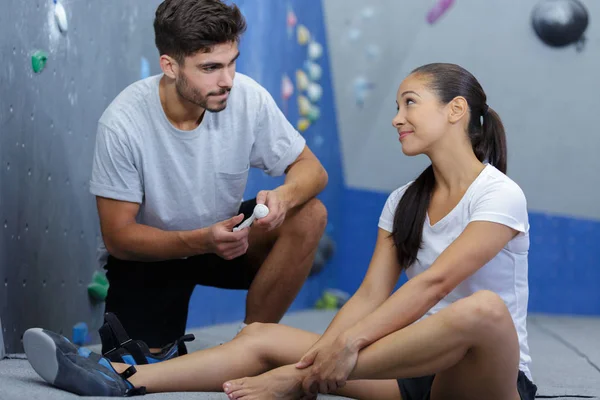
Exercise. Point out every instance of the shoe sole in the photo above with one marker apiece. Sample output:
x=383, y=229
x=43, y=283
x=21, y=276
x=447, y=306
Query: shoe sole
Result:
x=41, y=353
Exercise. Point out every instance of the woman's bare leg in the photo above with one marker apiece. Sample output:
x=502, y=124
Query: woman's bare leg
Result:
x=257, y=349
x=471, y=346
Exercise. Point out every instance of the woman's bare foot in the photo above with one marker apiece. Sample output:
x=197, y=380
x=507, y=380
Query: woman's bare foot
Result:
x=281, y=383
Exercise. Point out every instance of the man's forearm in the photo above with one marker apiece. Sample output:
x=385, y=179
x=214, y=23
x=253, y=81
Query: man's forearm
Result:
x=304, y=180
x=137, y=242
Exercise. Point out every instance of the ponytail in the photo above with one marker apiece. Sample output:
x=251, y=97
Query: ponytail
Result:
x=490, y=144
x=409, y=218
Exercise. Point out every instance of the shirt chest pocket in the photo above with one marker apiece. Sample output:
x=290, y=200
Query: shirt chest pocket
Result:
x=229, y=190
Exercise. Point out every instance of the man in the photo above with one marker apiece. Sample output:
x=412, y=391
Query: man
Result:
x=170, y=168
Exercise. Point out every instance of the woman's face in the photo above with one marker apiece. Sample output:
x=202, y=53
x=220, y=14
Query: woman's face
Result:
x=421, y=119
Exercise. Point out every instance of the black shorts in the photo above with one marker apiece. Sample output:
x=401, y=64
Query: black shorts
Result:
x=151, y=298
x=420, y=388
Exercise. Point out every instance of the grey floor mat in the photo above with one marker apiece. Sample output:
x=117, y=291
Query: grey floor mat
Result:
x=564, y=351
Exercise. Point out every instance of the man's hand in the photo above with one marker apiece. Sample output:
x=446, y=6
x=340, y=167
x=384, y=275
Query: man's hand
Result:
x=278, y=208
x=225, y=243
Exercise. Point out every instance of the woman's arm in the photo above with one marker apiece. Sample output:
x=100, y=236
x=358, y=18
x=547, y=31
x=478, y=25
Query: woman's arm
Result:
x=478, y=244
x=376, y=287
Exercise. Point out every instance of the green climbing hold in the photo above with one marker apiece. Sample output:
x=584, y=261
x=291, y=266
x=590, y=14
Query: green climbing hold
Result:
x=332, y=299
x=38, y=60
x=98, y=288
x=314, y=114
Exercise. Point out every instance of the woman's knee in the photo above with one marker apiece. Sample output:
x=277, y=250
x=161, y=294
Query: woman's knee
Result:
x=486, y=311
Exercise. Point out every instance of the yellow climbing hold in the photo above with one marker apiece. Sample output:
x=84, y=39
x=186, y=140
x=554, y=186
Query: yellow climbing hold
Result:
x=302, y=80
x=303, y=124
x=304, y=105
x=302, y=34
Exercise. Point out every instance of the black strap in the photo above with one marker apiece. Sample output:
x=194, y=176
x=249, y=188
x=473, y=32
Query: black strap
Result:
x=112, y=334
x=139, y=391
x=114, y=337
x=128, y=372
x=116, y=328
x=181, y=349
x=116, y=343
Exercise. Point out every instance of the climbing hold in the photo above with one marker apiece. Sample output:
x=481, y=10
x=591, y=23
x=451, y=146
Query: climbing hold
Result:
x=291, y=21
x=315, y=50
x=302, y=80
x=354, y=34
x=373, y=51
x=314, y=92
x=60, y=15
x=367, y=13
x=302, y=34
x=317, y=266
x=304, y=105
x=326, y=246
x=291, y=18
x=313, y=69
x=39, y=60
x=313, y=114
x=332, y=299
x=80, y=333
x=438, y=10
x=318, y=141
x=303, y=124
x=98, y=288
x=325, y=251
x=287, y=87
x=362, y=87
x=144, y=68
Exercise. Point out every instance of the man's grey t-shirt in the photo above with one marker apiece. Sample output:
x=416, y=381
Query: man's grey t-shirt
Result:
x=186, y=180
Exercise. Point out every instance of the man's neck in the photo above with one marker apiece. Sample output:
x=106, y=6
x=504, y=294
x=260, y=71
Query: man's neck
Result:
x=180, y=112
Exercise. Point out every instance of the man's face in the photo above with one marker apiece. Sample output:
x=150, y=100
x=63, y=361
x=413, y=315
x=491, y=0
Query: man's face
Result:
x=205, y=79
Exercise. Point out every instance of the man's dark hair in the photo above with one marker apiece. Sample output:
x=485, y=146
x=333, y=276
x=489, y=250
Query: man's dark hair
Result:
x=184, y=27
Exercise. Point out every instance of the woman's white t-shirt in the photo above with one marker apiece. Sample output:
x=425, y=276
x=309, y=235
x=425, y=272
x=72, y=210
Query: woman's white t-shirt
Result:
x=491, y=197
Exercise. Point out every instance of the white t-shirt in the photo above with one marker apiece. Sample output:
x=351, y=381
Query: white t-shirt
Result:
x=491, y=197
x=187, y=180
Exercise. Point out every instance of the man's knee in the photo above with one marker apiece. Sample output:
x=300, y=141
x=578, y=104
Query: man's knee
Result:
x=310, y=219
x=256, y=330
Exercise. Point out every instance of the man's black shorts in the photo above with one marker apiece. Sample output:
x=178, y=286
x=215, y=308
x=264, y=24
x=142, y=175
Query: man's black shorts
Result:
x=151, y=298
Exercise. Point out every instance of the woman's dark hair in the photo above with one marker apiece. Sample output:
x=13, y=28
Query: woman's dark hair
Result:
x=447, y=81
x=184, y=27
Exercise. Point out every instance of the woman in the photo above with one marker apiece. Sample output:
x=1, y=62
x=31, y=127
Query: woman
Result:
x=456, y=329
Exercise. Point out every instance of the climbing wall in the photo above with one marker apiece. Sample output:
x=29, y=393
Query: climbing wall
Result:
x=48, y=116
x=65, y=62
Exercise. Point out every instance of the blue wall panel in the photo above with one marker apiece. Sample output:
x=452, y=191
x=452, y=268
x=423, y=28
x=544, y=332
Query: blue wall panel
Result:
x=564, y=269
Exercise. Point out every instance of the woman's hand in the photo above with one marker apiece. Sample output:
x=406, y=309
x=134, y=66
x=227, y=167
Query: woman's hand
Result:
x=330, y=366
